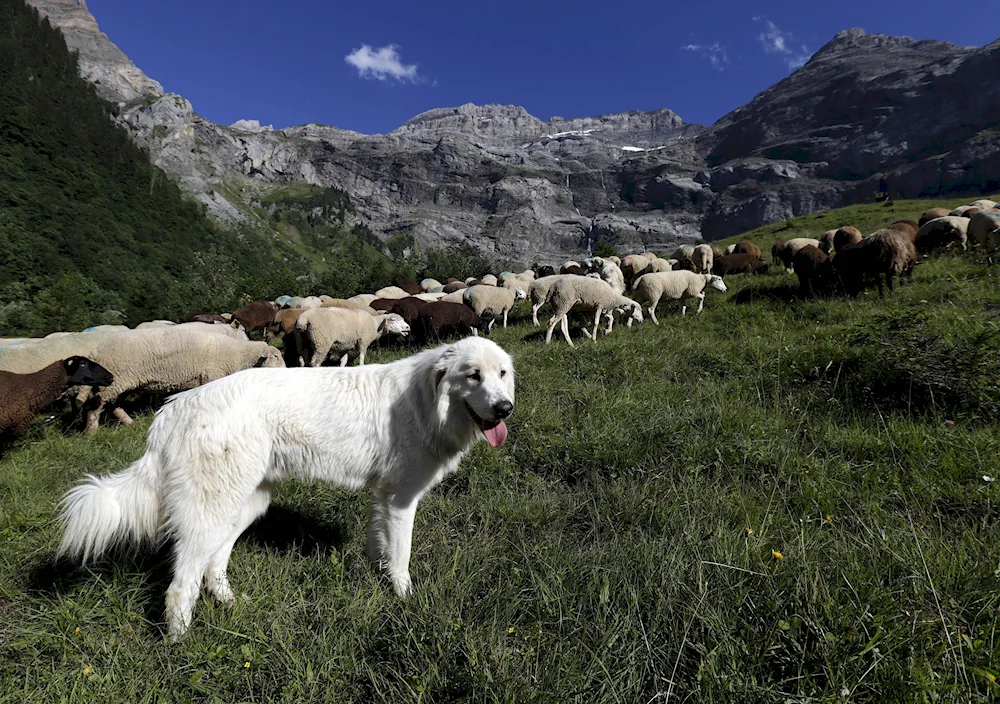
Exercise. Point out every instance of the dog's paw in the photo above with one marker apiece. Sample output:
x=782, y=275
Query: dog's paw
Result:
x=402, y=586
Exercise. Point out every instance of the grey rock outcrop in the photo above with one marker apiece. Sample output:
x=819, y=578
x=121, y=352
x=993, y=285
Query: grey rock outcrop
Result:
x=101, y=62
x=866, y=113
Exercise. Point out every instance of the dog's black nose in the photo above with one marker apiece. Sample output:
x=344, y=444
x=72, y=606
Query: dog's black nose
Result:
x=503, y=409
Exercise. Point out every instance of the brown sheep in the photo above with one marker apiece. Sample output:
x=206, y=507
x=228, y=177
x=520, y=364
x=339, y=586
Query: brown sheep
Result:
x=784, y=252
x=474, y=282
x=408, y=308
x=411, y=287
x=933, y=214
x=384, y=304
x=747, y=247
x=814, y=269
x=716, y=251
x=845, y=236
x=573, y=269
x=738, y=263
x=257, y=315
x=453, y=286
x=451, y=280
x=889, y=252
x=23, y=396
x=441, y=317
x=910, y=227
x=284, y=324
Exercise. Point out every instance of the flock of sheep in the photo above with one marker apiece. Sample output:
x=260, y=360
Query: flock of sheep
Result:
x=166, y=357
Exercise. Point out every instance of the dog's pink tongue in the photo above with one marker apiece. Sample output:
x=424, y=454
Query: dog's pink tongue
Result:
x=495, y=434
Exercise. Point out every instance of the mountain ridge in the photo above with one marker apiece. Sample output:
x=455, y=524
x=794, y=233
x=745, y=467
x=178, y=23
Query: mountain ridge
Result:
x=855, y=119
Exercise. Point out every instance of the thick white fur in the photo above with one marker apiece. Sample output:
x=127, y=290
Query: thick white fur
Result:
x=214, y=454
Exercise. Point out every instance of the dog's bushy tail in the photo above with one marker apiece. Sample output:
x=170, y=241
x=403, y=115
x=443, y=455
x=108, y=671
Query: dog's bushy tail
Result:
x=102, y=512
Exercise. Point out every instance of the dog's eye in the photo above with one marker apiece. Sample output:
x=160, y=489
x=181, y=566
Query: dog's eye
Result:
x=503, y=373
x=476, y=376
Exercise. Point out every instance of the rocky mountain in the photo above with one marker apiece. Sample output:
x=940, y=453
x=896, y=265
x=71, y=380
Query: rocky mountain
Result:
x=866, y=113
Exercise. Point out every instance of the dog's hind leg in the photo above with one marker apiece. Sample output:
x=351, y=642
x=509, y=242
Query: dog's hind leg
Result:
x=215, y=575
x=192, y=554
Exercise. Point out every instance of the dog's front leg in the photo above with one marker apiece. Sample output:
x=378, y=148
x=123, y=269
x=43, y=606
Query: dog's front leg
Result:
x=401, y=509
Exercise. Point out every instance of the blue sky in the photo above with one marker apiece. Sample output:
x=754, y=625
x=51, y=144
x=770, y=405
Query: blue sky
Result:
x=286, y=63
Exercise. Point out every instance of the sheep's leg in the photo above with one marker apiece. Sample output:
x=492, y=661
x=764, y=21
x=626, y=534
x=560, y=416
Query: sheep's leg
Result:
x=888, y=280
x=361, y=355
x=475, y=330
x=505, y=317
x=611, y=322
x=597, y=323
x=534, y=312
x=565, y=329
x=652, y=314
x=93, y=418
x=701, y=301
x=343, y=360
x=122, y=416
x=489, y=328
x=553, y=321
x=684, y=310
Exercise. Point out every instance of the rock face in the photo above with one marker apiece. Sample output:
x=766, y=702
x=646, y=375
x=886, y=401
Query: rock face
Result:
x=101, y=62
x=867, y=113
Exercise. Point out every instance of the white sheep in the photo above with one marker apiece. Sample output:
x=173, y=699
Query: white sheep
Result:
x=319, y=333
x=168, y=360
x=960, y=211
x=393, y=292
x=153, y=324
x=656, y=266
x=539, y=291
x=785, y=251
x=942, y=232
x=28, y=358
x=985, y=204
x=983, y=228
x=611, y=274
x=492, y=301
x=730, y=249
x=349, y=304
x=675, y=285
x=489, y=280
x=431, y=296
x=454, y=296
x=363, y=298
x=469, y=280
x=566, y=266
x=428, y=284
x=683, y=253
x=585, y=294
x=702, y=259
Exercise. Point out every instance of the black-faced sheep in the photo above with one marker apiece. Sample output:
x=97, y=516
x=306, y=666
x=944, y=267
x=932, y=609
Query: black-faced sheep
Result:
x=738, y=264
x=23, y=396
x=886, y=252
x=544, y=270
x=825, y=242
x=441, y=318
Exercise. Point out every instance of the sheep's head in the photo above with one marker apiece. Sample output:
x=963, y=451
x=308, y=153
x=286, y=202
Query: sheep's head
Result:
x=271, y=357
x=394, y=324
x=716, y=282
x=519, y=294
x=633, y=308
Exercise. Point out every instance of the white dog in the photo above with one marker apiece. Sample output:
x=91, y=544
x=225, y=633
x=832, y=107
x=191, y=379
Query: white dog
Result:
x=214, y=454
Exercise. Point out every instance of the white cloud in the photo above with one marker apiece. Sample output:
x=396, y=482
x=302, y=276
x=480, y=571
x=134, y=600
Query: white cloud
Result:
x=778, y=42
x=381, y=63
x=715, y=53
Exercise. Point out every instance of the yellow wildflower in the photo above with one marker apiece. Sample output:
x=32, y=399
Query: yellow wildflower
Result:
x=511, y=629
x=749, y=531
x=829, y=518
x=76, y=630
x=991, y=677
x=777, y=555
x=246, y=664
x=87, y=671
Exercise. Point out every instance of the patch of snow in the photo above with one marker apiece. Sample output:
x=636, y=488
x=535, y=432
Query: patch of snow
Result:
x=251, y=126
x=573, y=133
x=633, y=149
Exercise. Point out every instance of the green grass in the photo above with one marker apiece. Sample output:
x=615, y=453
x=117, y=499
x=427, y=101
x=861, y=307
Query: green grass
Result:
x=620, y=547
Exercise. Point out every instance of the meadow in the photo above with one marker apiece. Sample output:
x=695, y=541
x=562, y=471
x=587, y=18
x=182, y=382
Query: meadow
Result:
x=778, y=500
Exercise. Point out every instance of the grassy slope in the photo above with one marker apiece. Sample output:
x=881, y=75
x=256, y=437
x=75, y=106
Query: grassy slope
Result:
x=603, y=554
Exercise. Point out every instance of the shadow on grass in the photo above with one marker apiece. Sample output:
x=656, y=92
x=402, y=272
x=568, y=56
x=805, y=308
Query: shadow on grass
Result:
x=784, y=293
x=287, y=530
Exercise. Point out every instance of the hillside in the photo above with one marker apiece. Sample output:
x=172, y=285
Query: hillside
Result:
x=92, y=233
x=776, y=500
x=866, y=113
